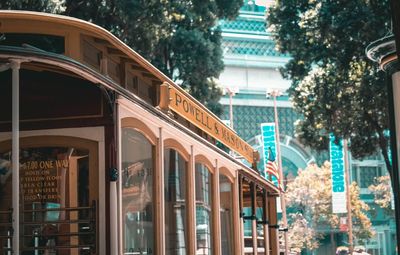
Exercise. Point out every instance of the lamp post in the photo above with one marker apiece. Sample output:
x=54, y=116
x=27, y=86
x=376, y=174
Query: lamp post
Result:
x=275, y=93
x=231, y=92
x=348, y=197
x=383, y=51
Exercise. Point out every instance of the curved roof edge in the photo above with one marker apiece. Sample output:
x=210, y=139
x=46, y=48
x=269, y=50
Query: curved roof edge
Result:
x=93, y=30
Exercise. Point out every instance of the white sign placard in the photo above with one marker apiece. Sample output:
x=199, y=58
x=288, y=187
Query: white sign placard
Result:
x=338, y=176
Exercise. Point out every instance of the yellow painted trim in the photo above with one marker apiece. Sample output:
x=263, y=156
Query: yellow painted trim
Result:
x=63, y=25
x=228, y=174
x=175, y=145
x=141, y=127
x=201, y=159
x=198, y=116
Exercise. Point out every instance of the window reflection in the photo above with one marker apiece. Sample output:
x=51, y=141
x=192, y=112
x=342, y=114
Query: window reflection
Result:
x=225, y=191
x=51, y=179
x=137, y=195
x=203, y=209
x=175, y=199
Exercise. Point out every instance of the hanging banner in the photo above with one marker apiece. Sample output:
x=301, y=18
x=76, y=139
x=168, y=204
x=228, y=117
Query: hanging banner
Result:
x=271, y=170
x=338, y=176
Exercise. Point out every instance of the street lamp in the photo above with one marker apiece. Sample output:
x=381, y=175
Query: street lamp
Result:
x=383, y=51
x=231, y=91
x=276, y=93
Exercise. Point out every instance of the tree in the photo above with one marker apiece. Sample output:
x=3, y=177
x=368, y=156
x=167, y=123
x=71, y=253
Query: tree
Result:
x=336, y=88
x=382, y=191
x=51, y=6
x=309, y=196
x=180, y=37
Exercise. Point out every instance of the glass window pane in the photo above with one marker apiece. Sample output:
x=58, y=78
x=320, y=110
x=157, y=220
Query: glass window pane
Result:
x=137, y=195
x=175, y=198
x=225, y=193
x=247, y=203
x=203, y=210
x=367, y=175
x=51, y=179
x=260, y=220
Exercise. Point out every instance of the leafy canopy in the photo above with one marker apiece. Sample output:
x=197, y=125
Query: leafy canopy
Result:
x=334, y=85
x=179, y=37
x=309, y=197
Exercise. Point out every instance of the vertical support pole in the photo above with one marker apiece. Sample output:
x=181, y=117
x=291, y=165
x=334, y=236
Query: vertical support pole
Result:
x=230, y=109
x=241, y=203
x=394, y=113
x=121, y=215
x=216, y=202
x=253, y=190
x=160, y=208
x=15, y=66
x=191, y=203
x=348, y=202
x=113, y=217
x=395, y=9
x=333, y=243
x=273, y=221
x=266, y=222
x=237, y=219
x=282, y=195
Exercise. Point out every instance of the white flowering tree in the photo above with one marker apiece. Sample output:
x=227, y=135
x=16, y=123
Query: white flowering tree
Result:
x=382, y=191
x=309, y=201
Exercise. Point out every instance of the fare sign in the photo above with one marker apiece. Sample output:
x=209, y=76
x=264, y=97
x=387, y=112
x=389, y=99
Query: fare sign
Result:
x=338, y=176
x=200, y=117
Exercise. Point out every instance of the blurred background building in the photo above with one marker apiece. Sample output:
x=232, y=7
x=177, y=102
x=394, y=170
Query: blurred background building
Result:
x=251, y=69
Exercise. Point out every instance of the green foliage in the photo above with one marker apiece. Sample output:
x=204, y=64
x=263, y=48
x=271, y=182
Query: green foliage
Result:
x=178, y=37
x=309, y=197
x=334, y=85
x=51, y=6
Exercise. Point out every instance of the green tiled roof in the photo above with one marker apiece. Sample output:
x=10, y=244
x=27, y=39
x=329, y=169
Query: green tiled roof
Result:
x=250, y=47
x=243, y=26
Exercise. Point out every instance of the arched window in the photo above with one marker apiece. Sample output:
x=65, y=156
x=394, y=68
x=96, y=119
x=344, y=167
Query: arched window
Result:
x=175, y=167
x=203, y=187
x=137, y=192
x=225, y=193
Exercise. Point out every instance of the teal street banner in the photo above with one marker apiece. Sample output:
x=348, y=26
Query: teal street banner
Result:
x=338, y=176
x=271, y=170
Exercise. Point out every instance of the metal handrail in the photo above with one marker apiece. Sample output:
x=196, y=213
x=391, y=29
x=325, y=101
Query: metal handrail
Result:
x=83, y=208
x=41, y=222
x=64, y=247
x=87, y=230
